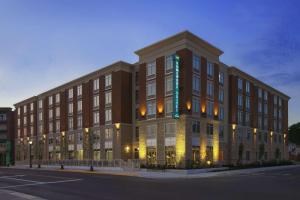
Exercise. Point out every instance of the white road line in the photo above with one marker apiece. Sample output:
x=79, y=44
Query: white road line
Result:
x=21, y=195
x=19, y=179
x=11, y=176
x=39, y=183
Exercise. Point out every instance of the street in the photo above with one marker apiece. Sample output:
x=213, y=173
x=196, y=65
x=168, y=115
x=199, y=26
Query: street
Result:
x=278, y=184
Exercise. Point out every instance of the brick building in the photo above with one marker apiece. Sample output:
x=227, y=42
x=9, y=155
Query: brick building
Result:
x=6, y=136
x=178, y=104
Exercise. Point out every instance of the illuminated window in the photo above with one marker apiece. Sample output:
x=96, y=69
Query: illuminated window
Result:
x=221, y=78
x=25, y=109
x=108, y=115
x=57, y=98
x=40, y=104
x=108, y=133
x=57, y=111
x=31, y=107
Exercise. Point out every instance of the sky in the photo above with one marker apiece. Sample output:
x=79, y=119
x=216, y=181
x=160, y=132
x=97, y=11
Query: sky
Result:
x=45, y=43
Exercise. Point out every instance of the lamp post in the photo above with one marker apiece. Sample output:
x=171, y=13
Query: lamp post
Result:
x=62, y=149
x=90, y=148
x=30, y=158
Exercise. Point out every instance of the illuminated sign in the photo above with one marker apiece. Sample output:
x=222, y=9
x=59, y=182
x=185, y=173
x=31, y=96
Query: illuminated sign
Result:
x=175, y=86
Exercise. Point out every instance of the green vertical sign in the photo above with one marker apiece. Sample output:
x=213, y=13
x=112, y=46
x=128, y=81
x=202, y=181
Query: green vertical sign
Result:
x=175, y=86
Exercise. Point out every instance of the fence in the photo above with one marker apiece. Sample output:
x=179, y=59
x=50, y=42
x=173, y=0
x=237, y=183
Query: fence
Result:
x=119, y=163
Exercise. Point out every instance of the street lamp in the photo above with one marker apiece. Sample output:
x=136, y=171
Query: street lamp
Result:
x=90, y=148
x=30, y=158
x=62, y=149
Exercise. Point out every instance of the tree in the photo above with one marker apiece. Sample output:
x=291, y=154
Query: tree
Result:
x=294, y=133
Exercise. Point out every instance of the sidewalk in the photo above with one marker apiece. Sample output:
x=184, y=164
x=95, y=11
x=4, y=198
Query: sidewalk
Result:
x=157, y=174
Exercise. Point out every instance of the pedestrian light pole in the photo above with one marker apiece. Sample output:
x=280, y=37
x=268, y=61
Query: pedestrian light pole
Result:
x=30, y=158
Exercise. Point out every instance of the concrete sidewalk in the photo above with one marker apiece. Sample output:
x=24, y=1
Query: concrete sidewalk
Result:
x=159, y=174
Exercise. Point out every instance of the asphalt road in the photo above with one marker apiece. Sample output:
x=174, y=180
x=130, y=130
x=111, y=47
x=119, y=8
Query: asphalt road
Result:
x=279, y=184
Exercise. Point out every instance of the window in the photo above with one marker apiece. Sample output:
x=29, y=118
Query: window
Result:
x=31, y=107
x=31, y=118
x=210, y=70
x=50, y=127
x=40, y=105
x=265, y=123
x=221, y=78
x=168, y=106
x=40, y=116
x=151, y=68
x=108, y=115
x=240, y=117
x=275, y=100
x=247, y=118
x=265, y=95
x=275, y=112
x=196, y=127
x=196, y=84
x=151, y=131
x=70, y=108
x=151, y=88
x=275, y=125
x=196, y=105
x=50, y=99
x=170, y=130
x=96, y=84
x=79, y=105
x=25, y=120
x=79, y=90
x=221, y=95
x=50, y=113
x=210, y=107
x=169, y=62
x=70, y=123
x=240, y=84
x=210, y=129
x=221, y=113
x=57, y=126
x=169, y=84
x=247, y=103
x=259, y=122
x=96, y=118
x=196, y=63
x=19, y=111
x=57, y=98
x=108, y=98
x=266, y=137
x=151, y=108
x=247, y=87
x=221, y=132
x=79, y=121
x=248, y=134
x=279, y=101
x=19, y=122
x=259, y=107
x=2, y=117
x=108, y=133
x=71, y=93
x=80, y=138
x=240, y=100
x=259, y=93
x=210, y=89
x=279, y=114
x=96, y=101
x=108, y=80
x=57, y=111
x=266, y=108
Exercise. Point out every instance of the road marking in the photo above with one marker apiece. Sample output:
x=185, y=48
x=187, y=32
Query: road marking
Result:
x=19, y=179
x=39, y=183
x=4, y=177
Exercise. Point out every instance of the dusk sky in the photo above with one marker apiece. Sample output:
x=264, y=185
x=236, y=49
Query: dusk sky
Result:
x=46, y=43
